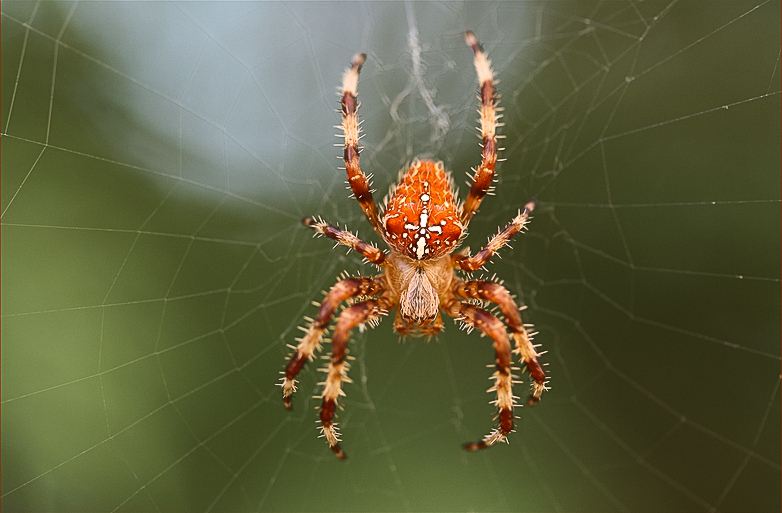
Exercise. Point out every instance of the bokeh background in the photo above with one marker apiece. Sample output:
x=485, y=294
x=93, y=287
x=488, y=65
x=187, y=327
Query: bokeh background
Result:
x=157, y=159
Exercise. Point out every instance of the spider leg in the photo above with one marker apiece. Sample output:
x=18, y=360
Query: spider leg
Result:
x=471, y=264
x=341, y=291
x=359, y=182
x=484, y=175
x=370, y=252
x=503, y=381
x=498, y=294
x=337, y=370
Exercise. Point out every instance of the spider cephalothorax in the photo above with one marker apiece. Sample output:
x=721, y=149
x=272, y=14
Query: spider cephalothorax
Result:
x=423, y=223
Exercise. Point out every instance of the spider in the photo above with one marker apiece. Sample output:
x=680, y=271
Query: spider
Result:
x=423, y=223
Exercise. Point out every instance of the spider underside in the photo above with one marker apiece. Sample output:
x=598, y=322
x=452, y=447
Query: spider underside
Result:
x=423, y=223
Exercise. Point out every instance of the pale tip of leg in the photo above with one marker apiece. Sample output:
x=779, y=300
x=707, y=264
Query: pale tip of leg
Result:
x=358, y=60
x=472, y=41
x=530, y=206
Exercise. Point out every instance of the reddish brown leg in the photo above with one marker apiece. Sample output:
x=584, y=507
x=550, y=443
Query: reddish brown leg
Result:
x=503, y=384
x=471, y=264
x=370, y=252
x=359, y=182
x=484, y=175
x=341, y=291
x=498, y=294
x=337, y=370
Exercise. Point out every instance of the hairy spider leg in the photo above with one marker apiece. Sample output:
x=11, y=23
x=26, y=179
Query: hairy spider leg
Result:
x=359, y=182
x=351, y=317
x=341, y=291
x=496, y=293
x=484, y=175
x=368, y=251
x=503, y=380
x=471, y=264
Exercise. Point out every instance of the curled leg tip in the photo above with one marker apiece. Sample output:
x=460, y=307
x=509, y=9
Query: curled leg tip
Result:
x=472, y=41
x=358, y=60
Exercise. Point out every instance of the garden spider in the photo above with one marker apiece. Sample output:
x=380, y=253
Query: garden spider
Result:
x=423, y=223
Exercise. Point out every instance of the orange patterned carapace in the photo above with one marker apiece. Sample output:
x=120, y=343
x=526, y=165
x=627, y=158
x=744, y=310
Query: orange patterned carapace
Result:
x=422, y=217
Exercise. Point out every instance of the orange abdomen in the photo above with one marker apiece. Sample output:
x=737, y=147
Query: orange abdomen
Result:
x=422, y=218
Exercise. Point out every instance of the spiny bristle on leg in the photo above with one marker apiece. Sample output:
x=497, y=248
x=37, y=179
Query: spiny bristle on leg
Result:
x=492, y=438
x=537, y=392
x=288, y=389
x=328, y=427
x=331, y=432
x=505, y=403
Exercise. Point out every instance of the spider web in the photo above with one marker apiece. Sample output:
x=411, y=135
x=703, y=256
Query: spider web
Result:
x=157, y=160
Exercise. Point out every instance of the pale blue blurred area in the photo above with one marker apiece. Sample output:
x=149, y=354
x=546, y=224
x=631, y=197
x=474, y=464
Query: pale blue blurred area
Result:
x=158, y=158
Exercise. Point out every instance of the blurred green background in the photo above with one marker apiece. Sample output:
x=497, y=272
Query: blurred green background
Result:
x=157, y=159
